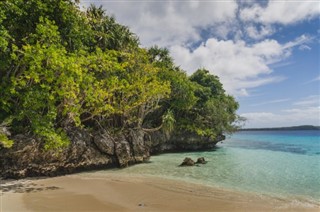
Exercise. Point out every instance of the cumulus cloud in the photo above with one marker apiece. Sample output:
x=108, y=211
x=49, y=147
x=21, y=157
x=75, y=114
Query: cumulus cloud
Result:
x=170, y=22
x=180, y=26
x=239, y=65
x=165, y=23
x=257, y=32
x=260, y=19
x=233, y=42
x=281, y=12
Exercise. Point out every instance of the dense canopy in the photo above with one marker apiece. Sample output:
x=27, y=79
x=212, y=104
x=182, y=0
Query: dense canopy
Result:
x=62, y=67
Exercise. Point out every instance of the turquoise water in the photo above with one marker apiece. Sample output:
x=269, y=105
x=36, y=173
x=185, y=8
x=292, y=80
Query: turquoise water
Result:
x=283, y=164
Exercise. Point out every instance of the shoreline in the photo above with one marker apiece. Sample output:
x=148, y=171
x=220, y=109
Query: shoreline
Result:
x=119, y=192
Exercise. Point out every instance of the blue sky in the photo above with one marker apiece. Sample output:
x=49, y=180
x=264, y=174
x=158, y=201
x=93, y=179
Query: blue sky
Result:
x=266, y=53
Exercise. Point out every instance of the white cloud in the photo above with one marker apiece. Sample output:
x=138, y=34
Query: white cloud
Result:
x=298, y=41
x=304, y=47
x=313, y=100
x=239, y=65
x=170, y=22
x=258, y=33
x=304, y=112
x=281, y=12
x=317, y=78
x=313, y=80
x=261, y=119
x=178, y=25
x=271, y=102
x=290, y=117
x=307, y=114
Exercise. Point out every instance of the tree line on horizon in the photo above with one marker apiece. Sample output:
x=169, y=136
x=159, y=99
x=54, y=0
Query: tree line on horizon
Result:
x=62, y=67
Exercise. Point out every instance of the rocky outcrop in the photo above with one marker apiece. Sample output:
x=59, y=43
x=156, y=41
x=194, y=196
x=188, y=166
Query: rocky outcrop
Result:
x=27, y=157
x=181, y=142
x=98, y=150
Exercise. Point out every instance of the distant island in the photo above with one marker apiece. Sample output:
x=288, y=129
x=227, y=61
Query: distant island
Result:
x=302, y=127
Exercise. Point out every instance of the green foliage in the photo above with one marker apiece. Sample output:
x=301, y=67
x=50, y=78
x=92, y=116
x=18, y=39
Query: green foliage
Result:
x=4, y=36
x=215, y=112
x=168, y=121
x=62, y=68
x=182, y=89
x=107, y=33
x=7, y=143
x=4, y=132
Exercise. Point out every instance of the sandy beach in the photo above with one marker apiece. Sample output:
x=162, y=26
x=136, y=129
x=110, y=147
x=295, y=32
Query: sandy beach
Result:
x=115, y=192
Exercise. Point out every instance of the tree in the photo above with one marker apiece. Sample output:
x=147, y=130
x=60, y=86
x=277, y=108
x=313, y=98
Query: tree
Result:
x=52, y=81
x=214, y=112
x=63, y=68
x=107, y=33
x=182, y=89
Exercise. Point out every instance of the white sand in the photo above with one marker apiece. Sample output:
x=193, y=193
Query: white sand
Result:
x=116, y=192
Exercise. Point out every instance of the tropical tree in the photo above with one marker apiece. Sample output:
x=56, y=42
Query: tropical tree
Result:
x=62, y=68
x=107, y=33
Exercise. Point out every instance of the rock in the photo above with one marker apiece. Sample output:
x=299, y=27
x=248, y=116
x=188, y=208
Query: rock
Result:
x=94, y=150
x=139, y=147
x=123, y=151
x=180, y=141
x=105, y=143
x=187, y=162
x=201, y=160
x=28, y=158
x=141, y=205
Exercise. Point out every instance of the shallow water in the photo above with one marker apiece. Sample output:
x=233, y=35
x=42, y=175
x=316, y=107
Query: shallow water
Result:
x=284, y=164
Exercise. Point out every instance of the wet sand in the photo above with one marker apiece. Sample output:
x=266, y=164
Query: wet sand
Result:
x=116, y=192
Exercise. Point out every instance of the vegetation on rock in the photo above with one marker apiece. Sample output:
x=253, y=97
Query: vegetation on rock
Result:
x=62, y=67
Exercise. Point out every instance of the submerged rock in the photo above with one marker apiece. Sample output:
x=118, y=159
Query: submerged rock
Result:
x=201, y=160
x=187, y=162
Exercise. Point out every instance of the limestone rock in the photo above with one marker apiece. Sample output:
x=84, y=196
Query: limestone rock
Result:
x=122, y=151
x=105, y=143
x=181, y=141
x=201, y=160
x=140, y=150
x=187, y=162
x=94, y=150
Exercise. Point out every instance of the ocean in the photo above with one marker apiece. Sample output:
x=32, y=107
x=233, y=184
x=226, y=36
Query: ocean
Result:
x=280, y=164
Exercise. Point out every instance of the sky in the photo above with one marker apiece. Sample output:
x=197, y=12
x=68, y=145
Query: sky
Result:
x=266, y=53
